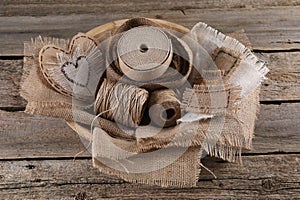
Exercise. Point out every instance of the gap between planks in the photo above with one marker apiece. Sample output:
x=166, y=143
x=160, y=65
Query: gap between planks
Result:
x=279, y=31
x=58, y=7
x=259, y=177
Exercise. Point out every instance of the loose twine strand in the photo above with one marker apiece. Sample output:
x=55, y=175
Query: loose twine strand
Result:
x=91, y=131
x=208, y=170
x=128, y=101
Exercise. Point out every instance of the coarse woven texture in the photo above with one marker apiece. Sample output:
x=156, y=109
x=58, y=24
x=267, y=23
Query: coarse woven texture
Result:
x=165, y=168
x=231, y=100
x=245, y=69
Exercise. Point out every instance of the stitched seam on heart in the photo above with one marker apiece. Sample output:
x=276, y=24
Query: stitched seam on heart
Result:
x=55, y=85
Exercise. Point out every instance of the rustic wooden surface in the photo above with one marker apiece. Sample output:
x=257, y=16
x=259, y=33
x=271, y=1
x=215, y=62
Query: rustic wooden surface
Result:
x=36, y=153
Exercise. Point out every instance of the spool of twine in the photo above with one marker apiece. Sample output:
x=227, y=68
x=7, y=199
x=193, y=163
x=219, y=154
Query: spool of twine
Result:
x=180, y=57
x=164, y=108
x=144, y=53
x=121, y=102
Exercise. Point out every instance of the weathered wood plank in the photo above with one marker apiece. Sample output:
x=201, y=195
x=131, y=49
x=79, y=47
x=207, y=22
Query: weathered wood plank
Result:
x=265, y=26
x=66, y=7
x=10, y=77
x=277, y=128
x=271, y=176
x=26, y=136
x=283, y=82
x=284, y=77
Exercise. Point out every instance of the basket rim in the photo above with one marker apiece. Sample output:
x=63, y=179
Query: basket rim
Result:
x=98, y=31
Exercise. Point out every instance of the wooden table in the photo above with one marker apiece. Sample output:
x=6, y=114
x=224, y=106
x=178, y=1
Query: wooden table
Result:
x=37, y=152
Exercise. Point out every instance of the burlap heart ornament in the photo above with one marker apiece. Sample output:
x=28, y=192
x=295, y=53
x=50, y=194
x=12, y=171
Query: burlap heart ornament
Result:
x=66, y=69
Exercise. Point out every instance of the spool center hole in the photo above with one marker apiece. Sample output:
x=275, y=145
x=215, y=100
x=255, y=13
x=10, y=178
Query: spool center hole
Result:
x=143, y=48
x=168, y=114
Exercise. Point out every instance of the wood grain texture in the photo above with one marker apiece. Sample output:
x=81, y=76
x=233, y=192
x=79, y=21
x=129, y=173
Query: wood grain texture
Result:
x=265, y=33
x=10, y=77
x=284, y=77
x=277, y=128
x=66, y=7
x=259, y=177
x=26, y=136
x=36, y=153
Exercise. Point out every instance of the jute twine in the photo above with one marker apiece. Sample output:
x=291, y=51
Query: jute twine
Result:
x=124, y=103
x=164, y=108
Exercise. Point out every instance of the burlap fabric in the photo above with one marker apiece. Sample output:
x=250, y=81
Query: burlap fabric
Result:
x=118, y=150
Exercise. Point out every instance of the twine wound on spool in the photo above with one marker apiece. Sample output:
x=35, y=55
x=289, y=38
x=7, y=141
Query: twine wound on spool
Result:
x=144, y=53
x=124, y=103
x=164, y=108
x=176, y=50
